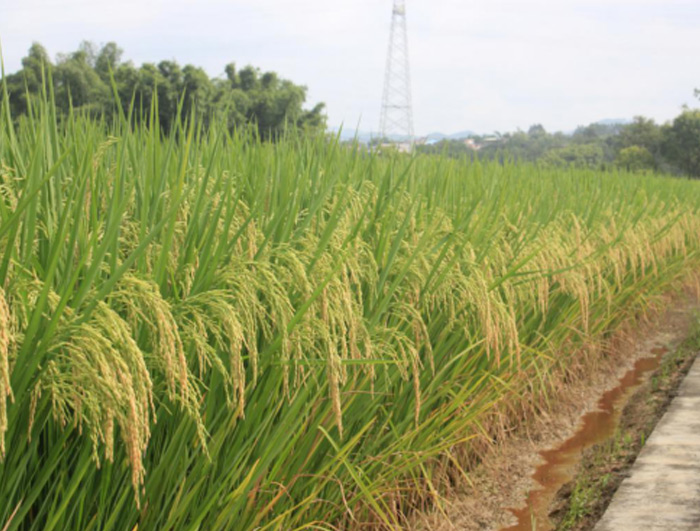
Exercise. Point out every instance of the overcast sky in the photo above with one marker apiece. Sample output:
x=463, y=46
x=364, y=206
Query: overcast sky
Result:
x=487, y=65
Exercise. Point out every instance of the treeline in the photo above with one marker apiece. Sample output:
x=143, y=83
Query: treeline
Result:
x=85, y=80
x=639, y=146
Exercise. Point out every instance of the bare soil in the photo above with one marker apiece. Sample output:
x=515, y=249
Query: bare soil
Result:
x=503, y=479
x=581, y=503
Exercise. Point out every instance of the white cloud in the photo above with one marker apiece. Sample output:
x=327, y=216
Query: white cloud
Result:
x=484, y=66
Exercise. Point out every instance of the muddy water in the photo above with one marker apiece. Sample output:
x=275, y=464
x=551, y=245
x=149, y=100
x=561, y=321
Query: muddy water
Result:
x=560, y=463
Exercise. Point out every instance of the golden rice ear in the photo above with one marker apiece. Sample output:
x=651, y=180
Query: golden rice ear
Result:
x=415, y=371
x=487, y=273
x=145, y=306
x=97, y=372
x=5, y=385
x=334, y=374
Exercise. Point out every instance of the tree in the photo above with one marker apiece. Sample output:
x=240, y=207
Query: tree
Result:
x=77, y=84
x=681, y=142
x=82, y=81
x=196, y=88
x=536, y=130
x=642, y=132
x=248, y=78
x=635, y=159
x=231, y=75
x=108, y=59
x=576, y=155
x=36, y=66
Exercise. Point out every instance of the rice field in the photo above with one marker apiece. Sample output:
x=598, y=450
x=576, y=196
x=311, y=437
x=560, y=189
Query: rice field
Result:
x=201, y=330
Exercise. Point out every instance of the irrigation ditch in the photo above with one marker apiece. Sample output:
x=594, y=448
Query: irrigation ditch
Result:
x=562, y=473
x=580, y=503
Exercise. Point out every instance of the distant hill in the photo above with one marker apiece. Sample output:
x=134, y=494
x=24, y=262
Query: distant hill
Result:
x=347, y=134
x=614, y=121
x=365, y=137
x=437, y=136
x=461, y=135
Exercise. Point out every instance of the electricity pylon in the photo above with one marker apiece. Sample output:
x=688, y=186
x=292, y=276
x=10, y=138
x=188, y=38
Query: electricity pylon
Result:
x=397, y=112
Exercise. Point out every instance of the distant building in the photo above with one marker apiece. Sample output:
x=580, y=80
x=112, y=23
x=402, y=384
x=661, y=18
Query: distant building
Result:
x=404, y=147
x=401, y=147
x=471, y=144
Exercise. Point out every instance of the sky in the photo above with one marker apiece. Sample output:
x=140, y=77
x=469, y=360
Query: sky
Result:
x=484, y=66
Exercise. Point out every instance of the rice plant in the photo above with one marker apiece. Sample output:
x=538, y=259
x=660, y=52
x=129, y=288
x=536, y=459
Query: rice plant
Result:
x=203, y=330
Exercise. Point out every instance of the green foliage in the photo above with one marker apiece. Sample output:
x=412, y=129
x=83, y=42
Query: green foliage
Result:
x=447, y=147
x=82, y=82
x=681, y=142
x=320, y=332
x=576, y=156
x=638, y=146
x=635, y=159
x=642, y=132
x=589, y=146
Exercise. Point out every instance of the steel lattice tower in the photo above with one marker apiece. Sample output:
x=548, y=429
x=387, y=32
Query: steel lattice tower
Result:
x=397, y=112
